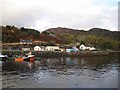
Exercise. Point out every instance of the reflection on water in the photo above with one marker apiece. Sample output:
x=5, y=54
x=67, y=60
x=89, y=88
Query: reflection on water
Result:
x=82, y=72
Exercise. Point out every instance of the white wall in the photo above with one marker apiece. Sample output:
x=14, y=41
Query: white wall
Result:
x=26, y=49
x=51, y=48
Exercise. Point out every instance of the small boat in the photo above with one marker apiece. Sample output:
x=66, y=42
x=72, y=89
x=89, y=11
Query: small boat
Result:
x=19, y=59
x=3, y=57
x=30, y=58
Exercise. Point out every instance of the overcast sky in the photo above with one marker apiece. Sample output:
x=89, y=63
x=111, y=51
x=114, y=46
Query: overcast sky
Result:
x=77, y=14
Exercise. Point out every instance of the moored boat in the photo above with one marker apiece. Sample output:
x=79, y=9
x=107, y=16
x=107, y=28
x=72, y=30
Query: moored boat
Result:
x=30, y=58
x=19, y=59
x=3, y=57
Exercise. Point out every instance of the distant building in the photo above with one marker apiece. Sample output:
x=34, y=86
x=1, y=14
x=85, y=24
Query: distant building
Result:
x=25, y=41
x=42, y=48
x=92, y=49
x=73, y=49
x=83, y=47
x=52, y=35
x=26, y=49
x=61, y=49
x=52, y=48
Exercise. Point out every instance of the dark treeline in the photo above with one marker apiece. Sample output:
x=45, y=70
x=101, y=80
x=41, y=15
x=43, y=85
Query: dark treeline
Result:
x=97, y=37
x=13, y=34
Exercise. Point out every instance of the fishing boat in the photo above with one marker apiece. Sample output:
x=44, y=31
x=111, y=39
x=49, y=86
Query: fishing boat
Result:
x=30, y=58
x=3, y=57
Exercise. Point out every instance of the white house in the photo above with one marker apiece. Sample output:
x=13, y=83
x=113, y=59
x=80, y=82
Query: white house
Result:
x=37, y=48
x=83, y=47
x=52, y=48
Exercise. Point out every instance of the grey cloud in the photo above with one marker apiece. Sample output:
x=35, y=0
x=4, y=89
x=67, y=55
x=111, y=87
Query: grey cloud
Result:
x=46, y=16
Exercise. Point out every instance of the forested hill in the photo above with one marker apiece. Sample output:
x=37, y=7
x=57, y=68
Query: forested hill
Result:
x=14, y=34
x=93, y=31
x=97, y=37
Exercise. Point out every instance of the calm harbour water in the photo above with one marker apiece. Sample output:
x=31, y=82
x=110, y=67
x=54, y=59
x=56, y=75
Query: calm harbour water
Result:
x=66, y=72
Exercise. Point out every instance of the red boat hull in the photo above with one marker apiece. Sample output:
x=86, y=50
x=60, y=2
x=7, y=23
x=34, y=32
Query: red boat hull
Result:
x=30, y=59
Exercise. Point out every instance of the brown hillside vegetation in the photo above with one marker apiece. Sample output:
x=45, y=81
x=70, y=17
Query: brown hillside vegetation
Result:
x=97, y=37
x=49, y=38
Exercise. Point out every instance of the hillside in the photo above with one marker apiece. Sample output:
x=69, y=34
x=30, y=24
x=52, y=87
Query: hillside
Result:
x=93, y=31
x=12, y=34
x=99, y=38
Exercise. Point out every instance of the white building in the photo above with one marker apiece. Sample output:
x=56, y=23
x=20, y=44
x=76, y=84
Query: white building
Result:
x=83, y=47
x=52, y=48
x=42, y=48
x=25, y=41
x=37, y=48
x=26, y=49
x=92, y=48
x=61, y=49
